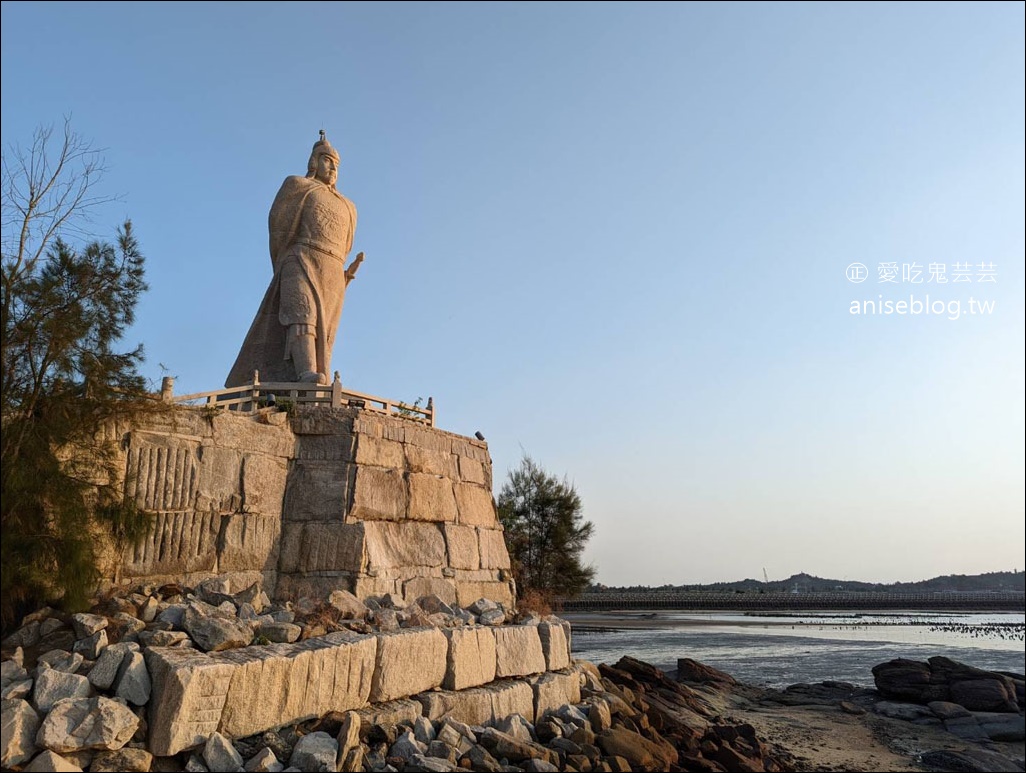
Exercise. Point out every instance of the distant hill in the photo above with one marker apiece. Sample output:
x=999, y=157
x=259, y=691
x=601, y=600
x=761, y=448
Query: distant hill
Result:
x=807, y=583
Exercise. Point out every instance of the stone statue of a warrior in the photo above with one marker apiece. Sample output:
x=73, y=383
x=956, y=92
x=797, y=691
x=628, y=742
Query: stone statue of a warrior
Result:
x=311, y=229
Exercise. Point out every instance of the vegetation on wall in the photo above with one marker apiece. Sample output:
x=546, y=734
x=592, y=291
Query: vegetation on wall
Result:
x=64, y=381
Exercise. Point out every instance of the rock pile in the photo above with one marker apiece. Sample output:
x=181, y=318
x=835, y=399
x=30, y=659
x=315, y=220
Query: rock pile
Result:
x=75, y=688
x=76, y=694
x=941, y=679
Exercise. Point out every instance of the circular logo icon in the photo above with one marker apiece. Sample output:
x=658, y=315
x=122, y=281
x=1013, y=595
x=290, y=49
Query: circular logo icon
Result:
x=856, y=272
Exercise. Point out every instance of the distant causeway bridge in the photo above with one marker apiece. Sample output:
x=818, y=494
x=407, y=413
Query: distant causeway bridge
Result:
x=1003, y=601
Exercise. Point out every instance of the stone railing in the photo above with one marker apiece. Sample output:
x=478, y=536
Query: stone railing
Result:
x=251, y=397
x=475, y=674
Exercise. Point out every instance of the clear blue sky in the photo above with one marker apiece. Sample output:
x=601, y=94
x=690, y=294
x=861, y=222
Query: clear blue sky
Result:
x=614, y=236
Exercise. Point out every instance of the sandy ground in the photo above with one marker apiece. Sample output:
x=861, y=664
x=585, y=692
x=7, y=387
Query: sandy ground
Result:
x=826, y=738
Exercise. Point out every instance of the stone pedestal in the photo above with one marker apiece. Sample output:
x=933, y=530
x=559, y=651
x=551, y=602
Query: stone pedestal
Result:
x=316, y=500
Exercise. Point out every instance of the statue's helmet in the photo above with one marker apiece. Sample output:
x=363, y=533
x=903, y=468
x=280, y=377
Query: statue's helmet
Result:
x=320, y=148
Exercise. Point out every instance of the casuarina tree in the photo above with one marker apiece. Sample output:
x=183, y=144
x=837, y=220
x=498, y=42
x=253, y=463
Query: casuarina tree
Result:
x=545, y=532
x=65, y=382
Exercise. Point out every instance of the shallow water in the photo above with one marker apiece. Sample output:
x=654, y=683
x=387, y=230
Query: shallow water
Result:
x=778, y=650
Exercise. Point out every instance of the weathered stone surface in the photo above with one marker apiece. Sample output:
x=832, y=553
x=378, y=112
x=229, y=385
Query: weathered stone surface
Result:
x=379, y=494
x=640, y=752
x=249, y=542
x=404, y=545
x=218, y=478
x=26, y=636
x=378, y=585
x=316, y=547
x=264, y=761
x=162, y=471
x=19, y=723
x=502, y=745
x=279, y=632
x=352, y=762
x=469, y=447
x=984, y=694
x=553, y=690
x=515, y=726
x=133, y=680
x=462, y=546
x=214, y=634
x=942, y=679
x=317, y=491
x=946, y=710
x=220, y=754
x=481, y=759
x=86, y=625
x=417, y=587
x=53, y=685
x=555, y=645
x=972, y=760
x=479, y=705
x=431, y=461
x=14, y=690
x=245, y=433
x=474, y=706
x=189, y=692
x=315, y=420
x=59, y=660
x=599, y=715
x=348, y=734
x=287, y=683
x=148, y=609
x=426, y=763
x=492, y=617
x=12, y=671
x=348, y=605
x=263, y=484
x=406, y=747
x=87, y=723
x=379, y=452
x=431, y=439
x=408, y=662
x=395, y=712
x=51, y=762
x=331, y=447
x=474, y=471
x=476, y=506
x=469, y=591
x=689, y=670
x=1002, y=726
x=123, y=760
x=431, y=498
x=471, y=657
x=161, y=639
x=456, y=735
x=316, y=751
x=91, y=646
x=518, y=651
x=493, y=549
x=103, y=673
x=177, y=543
x=511, y=697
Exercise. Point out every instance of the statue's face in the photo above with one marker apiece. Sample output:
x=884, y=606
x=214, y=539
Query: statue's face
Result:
x=327, y=169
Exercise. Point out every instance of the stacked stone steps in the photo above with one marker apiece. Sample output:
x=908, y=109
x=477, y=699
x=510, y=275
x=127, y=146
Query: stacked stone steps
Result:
x=497, y=671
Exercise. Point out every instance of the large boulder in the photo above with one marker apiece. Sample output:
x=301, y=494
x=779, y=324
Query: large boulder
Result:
x=76, y=724
x=943, y=679
x=20, y=724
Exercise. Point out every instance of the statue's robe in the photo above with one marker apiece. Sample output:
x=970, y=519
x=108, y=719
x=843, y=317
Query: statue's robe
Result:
x=311, y=227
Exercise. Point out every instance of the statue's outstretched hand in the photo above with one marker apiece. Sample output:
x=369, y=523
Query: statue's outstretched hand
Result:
x=354, y=266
